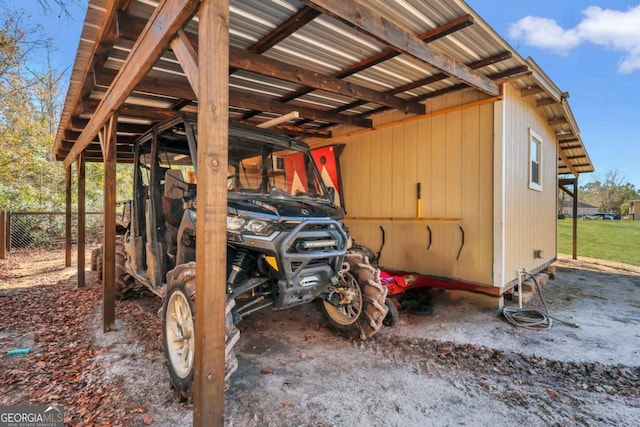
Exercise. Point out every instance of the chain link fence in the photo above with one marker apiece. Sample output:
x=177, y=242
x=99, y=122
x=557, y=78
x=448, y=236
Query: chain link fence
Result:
x=46, y=230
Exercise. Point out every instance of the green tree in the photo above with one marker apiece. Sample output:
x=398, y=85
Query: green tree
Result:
x=609, y=194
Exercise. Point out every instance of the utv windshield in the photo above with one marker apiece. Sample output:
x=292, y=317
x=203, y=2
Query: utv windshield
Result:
x=262, y=169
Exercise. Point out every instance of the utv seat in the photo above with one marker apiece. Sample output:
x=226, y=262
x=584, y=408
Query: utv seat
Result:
x=172, y=209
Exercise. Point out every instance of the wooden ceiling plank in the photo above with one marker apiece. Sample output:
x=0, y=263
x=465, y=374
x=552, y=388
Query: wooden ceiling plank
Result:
x=240, y=58
x=253, y=102
x=365, y=20
x=296, y=21
x=168, y=18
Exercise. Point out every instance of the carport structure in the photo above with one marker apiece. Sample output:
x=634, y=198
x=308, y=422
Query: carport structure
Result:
x=344, y=66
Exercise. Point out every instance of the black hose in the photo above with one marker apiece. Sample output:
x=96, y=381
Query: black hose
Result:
x=531, y=318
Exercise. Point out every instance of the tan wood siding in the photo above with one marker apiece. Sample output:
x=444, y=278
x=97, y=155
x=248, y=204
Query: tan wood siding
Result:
x=451, y=155
x=530, y=215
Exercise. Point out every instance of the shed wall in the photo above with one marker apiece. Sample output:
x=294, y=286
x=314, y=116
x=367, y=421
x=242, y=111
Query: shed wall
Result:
x=451, y=155
x=530, y=215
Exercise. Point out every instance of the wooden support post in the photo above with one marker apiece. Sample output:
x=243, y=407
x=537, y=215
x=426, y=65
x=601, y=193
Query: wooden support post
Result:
x=3, y=234
x=67, y=218
x=81, y=220
x=211, y=248
x=575, y=218
x=8, y=230
x=107, y=137
x=574, y=196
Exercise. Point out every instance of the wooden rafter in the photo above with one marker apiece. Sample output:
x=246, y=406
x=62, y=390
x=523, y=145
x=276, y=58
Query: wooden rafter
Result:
x=254, y=102
x=424, y=82
x=385, y=55
x=544, y=102
x=567, y=163
x=89, y=107
x=366, y=20
x=535, y=90
x=248, y=61
x=557, y=121
x=296, y=21
x=168, y=18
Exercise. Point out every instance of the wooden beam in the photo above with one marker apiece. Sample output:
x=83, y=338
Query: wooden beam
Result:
x=78, y=124
x=134, y=111
x=368, y=21
x=188, y=58
x=254, y=102
x=211, y=229
x=568, y=140
x=544, y=102
x=107, y=136
x=99, y=51
x=169, y=17
x=387, y=54
x=67, y=217
x=303, y=132
x=70, y=135
x=567, y=162
x=240, y=58
x=424, y=82
x=154, y=85
x=296, y=21
x=570, y=147
x=531, y=91
x=558, y=121
x=82, y=218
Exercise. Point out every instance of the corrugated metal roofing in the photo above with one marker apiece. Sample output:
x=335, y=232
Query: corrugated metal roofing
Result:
x=325, y=46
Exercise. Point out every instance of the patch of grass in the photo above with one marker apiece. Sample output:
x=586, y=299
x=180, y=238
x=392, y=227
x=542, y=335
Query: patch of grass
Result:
x=611, y=240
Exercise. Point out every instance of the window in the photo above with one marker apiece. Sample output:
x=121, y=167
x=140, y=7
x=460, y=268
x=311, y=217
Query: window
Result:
x=535, y=161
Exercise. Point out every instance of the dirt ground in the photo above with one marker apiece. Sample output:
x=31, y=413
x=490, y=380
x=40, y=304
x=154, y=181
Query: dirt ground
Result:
x=462, y=364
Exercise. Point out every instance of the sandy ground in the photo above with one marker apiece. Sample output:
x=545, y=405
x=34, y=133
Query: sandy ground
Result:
x=461, y=365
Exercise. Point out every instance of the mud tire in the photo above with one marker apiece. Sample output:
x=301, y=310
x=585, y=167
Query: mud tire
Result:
x=180, y=295
x=124, y=282
x=365, y=317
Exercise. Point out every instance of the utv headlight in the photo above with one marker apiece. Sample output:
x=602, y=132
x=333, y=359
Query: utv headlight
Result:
x=257, y=226
x=235, y=223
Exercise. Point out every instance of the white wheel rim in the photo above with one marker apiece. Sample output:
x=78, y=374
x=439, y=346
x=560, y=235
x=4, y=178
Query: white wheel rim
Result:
x=348, y=314
x=179, y=333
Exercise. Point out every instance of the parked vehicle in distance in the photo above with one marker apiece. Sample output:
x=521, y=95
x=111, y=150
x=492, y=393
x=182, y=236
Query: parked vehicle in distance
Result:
x=601, y=215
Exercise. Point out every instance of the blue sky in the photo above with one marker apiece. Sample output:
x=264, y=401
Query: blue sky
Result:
x=589, y=48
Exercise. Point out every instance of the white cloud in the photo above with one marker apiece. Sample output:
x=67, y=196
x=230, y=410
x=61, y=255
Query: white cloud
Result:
x=544, y=33
x=614, y=29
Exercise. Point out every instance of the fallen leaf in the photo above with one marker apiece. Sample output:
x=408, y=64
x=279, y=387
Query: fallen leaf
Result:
x=266, y=371
x=147, y=420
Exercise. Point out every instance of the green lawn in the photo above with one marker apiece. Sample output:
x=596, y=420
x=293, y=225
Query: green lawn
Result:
x=611, y=240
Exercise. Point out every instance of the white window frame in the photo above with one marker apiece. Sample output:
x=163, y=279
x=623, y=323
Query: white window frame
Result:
x=536, y=139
